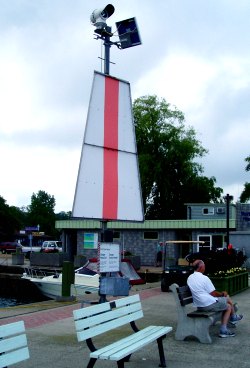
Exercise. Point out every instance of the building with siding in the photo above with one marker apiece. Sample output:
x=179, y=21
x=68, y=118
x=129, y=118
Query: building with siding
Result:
x=205, y=222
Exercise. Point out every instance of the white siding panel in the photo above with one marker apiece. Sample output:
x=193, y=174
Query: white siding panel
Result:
x=129, y=194
x=89, y=194
x=126, y=134
x=95, y=121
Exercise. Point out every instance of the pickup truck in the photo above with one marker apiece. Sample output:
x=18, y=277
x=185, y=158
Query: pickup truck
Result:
x=26, y=249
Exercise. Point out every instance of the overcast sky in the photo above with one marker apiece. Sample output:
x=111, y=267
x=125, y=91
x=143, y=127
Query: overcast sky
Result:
x=195, y=54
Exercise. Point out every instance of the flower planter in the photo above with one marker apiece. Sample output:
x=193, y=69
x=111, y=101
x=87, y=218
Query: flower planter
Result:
x=232, y=284
x=48, y=259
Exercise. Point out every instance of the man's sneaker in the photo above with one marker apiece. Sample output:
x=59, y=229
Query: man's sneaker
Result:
x=226, y=333
x=236, y=318
x=235, y=307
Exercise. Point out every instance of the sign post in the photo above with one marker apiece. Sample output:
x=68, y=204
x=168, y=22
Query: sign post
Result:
x=108, y=182
x=109, y=259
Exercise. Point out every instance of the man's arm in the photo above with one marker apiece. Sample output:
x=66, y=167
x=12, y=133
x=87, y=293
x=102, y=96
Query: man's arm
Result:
x=218, y=293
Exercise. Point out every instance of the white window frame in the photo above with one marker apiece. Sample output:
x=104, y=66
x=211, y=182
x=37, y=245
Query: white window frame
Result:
x=209, y=212
x=199, y=238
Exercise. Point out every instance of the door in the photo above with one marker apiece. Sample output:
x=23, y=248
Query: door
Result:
x=207, y=239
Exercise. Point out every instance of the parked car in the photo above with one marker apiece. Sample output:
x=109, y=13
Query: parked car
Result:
x=28, y=249
x=9, y=247
x=51, y=246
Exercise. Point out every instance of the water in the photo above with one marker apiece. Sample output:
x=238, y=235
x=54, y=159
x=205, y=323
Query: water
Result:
x=17, y=291
x=8, y=302
x=12, y=302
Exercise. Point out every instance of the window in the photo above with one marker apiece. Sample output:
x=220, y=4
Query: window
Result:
x=208, y=211
x=207, y=245
x=150, y=235
x=217, y=241
x=212, y=241
x=220, y=210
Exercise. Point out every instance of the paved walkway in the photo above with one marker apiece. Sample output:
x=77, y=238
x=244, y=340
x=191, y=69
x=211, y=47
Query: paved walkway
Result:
x=52, y=338
x=52, y=311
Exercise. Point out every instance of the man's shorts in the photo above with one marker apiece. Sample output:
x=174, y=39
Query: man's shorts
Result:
x=220, y=305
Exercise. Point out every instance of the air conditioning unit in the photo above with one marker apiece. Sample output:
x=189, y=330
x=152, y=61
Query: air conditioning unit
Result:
x=220, y=210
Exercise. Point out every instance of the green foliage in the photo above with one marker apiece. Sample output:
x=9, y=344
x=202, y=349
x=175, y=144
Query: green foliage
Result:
x=63, y=215
x=41, y=211
x=247, y=159
x=11, y=220
x=167, y=150
x=245, y=195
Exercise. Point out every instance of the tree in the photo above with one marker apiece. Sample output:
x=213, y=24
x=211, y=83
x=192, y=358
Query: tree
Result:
x=167, y=150
x=11, y=220
x=19, y=216
x=63, y=215
x=41, y=212
x=245, y=195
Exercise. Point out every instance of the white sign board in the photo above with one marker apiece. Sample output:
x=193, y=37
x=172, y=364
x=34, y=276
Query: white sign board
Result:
x=108, y=184
x=109, y=257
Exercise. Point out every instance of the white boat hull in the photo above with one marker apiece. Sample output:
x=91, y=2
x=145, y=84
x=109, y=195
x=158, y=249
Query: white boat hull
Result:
x=86, y=280
x=52, y=287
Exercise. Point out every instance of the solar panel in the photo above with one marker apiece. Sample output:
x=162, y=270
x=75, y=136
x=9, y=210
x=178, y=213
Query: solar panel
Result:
x=128, y=33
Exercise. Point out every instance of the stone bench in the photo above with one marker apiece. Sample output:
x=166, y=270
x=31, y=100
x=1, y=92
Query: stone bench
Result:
x=192, y=323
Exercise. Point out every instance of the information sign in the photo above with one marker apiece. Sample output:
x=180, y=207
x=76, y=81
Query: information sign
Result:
x=90, y=240
x=109, y=257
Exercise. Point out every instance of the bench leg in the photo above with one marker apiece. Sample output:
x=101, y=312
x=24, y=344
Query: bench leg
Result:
x=161, y=353
x=120, y=363
x=126, y=359
x=91, y=362
x=197, y=327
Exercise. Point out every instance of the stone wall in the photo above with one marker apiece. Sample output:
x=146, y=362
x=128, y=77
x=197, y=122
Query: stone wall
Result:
x=131, y=241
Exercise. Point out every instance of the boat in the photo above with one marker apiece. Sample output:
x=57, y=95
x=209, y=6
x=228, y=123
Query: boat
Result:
x=50, y=285
x=87, y=279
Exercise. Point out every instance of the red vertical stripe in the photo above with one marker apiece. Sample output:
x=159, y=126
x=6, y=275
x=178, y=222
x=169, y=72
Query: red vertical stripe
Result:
x=110, y=159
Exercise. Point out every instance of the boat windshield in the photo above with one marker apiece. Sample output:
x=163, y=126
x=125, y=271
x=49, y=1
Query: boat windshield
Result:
x=86, y=271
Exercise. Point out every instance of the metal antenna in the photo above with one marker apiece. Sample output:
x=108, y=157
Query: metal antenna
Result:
x=105, y=35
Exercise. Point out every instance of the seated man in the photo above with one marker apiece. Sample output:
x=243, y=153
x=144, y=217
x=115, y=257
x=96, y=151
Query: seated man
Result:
x=207, y=299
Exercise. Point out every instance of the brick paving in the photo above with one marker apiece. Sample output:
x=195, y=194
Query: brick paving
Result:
x=39, y=318
x=55, y=344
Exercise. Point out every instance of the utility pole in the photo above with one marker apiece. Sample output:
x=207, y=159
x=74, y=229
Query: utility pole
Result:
x=228, y=198
x=107, y=45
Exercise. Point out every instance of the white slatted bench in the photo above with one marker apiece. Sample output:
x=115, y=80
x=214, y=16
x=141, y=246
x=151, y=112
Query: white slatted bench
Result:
x=192, y=323
x=13, y=344
x=98, y=319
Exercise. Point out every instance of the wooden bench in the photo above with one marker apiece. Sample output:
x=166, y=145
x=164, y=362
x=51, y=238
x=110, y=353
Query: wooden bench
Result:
x=192, y=323
x=13, y=344
x=98, y=319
